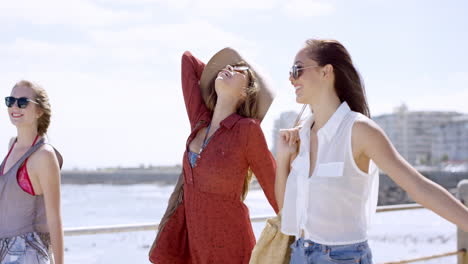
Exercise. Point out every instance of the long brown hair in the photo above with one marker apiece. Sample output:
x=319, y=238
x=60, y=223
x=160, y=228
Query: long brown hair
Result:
x=247, y=108
x=349, y=85
x=42, y=100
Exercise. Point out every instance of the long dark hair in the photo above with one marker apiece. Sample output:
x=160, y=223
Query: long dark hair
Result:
x=348, y=83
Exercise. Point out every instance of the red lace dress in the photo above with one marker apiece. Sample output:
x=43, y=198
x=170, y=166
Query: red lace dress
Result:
x=212, y=225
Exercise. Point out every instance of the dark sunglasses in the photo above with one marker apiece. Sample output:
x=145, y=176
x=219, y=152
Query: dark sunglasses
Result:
x=241, y=69
x=297, y=70
x=21, y=102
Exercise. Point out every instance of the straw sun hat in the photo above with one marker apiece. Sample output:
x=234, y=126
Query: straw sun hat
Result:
x=231, y=56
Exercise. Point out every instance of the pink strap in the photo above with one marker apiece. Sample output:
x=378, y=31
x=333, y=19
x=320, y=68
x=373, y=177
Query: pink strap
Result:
x=9, y=152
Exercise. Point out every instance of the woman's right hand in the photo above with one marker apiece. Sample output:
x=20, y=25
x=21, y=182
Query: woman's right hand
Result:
x=287, y=145
x=287, y=148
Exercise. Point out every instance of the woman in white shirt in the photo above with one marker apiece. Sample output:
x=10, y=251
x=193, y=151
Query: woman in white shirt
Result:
x=329, y=193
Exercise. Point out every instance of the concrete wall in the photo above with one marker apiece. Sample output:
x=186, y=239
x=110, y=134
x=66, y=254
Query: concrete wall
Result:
x=389, y=192
x=119, y=177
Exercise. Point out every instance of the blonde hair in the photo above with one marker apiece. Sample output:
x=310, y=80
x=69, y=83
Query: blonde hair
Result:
x=42, y=100
x=247, y=108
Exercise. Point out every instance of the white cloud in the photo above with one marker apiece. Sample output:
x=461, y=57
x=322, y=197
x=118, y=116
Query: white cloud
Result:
x=203, y=5
x=36, y=54
x=308, y=8
x=230, y=6
x=70, y=12
x=168, y=3
x=161, y=42
x=138, y=47
x=92, y=14
x=198, y=33
x=231, y=10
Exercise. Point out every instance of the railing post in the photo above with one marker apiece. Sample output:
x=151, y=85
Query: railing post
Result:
x=462, y=237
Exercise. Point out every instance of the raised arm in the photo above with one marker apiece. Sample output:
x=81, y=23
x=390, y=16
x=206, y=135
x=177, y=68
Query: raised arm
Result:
x=261, y=162
x=370, y=139
x=192, y=69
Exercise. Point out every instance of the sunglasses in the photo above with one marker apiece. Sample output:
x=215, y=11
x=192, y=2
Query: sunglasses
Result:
x=240, y=69
x=21, y=102
x=296, y=70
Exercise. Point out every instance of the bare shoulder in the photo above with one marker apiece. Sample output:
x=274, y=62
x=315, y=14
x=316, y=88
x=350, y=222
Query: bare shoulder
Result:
x=44, y=157
x=365, y=127
x=369, y=138
x=366, y=132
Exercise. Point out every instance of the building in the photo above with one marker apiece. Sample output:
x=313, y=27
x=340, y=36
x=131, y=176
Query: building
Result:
x=412, y=132
x=421, y=137
x=451, y=141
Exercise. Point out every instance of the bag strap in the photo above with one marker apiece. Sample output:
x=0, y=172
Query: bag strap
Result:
x=296, y=123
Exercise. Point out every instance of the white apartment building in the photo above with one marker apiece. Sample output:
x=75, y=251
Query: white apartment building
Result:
x=421, y=137
x=451, y=140
x=412, y=132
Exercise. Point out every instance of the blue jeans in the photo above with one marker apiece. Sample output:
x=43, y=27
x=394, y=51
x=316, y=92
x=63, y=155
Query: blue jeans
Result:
x=23, y=249
x=308, y=252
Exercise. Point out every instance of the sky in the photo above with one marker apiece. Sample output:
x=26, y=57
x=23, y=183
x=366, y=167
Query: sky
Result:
x=112, y=67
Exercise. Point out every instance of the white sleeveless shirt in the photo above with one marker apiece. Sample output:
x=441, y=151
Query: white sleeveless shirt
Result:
x=333, y=206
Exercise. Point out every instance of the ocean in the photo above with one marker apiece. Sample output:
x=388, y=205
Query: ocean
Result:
x=394, y=235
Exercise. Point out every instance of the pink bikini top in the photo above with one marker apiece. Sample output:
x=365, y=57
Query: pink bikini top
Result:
x=23, y=176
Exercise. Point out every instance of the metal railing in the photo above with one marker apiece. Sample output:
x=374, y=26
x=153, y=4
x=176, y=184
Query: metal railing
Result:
x=461, y=252
x=462, y=236
x=94, y=230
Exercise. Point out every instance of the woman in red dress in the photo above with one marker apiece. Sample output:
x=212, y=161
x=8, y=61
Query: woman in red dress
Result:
x=206, y=220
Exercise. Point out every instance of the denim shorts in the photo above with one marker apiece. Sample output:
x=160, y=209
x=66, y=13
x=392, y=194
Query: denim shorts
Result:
x=307, y=252
x=25, y=249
